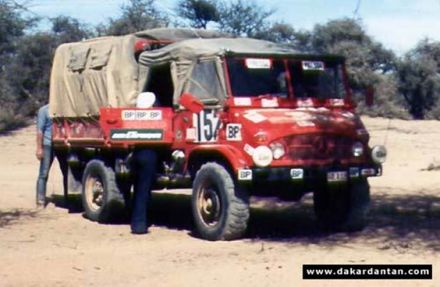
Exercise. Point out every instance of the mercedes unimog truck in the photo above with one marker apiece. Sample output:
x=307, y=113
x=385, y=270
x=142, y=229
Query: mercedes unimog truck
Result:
x=228, y=117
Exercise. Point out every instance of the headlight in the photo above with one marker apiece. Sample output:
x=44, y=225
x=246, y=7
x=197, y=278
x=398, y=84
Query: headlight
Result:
x=278, y=150
x=379, y=154
x=357, y=149
x=262, y=156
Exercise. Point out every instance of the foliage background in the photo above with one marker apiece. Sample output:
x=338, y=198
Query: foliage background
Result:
x=405, y=87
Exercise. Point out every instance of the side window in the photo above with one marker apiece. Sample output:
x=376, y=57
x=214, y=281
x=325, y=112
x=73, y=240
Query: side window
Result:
x=204, y=83
x=160, y=83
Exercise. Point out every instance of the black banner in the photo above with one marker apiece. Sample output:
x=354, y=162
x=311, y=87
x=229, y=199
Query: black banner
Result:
x=381, y=271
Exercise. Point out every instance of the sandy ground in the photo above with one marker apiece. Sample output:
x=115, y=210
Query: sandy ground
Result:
x=58, y=247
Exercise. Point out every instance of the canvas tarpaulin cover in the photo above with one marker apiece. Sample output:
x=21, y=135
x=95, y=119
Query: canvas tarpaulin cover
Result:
x=103, y=72
x=92, y=74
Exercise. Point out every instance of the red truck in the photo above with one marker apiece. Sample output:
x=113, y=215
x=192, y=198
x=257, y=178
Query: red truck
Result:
x=228, y=117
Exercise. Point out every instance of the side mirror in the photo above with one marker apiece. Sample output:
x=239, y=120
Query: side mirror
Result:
x=369, y=96
x=145, y=100
x=191, y=103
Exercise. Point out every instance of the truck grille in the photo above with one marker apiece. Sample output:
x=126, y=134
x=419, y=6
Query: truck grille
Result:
x=319, y=147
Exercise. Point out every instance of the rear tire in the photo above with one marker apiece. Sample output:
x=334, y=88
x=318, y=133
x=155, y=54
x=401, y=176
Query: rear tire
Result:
x=343, y=207
x=220, y=208
x=101, y=198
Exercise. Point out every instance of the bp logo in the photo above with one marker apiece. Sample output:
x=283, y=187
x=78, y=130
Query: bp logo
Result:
x=140, y=134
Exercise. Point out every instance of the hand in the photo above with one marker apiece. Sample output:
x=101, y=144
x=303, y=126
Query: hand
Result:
x=39, y=154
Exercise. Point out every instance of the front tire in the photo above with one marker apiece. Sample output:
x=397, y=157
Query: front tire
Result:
x=220, y=208
x=343, y=207
x=101, y=198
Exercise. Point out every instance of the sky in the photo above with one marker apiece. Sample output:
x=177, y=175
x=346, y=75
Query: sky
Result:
x=397, y=24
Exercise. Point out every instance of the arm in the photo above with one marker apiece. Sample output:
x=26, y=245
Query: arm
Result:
x=39, y=152
x=40, y=134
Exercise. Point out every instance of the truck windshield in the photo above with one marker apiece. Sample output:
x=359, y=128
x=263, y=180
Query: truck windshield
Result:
x=309, y=79
x=317, y=79
x=257, y=77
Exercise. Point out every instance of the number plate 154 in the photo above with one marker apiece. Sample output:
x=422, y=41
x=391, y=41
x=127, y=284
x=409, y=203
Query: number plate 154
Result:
x=337, y=176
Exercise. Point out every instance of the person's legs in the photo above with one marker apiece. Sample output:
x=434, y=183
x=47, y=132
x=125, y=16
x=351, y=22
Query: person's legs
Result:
x=62, y=161
x=144, y=168
x=43, y=175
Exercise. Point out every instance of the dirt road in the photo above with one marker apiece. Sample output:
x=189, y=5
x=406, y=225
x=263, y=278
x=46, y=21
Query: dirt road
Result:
x=58, y=247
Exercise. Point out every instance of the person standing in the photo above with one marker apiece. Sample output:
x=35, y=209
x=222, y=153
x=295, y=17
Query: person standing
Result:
x=144, y=166
x=45, y=155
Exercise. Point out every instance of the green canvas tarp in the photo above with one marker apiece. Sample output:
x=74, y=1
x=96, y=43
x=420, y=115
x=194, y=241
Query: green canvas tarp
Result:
x=103, y=72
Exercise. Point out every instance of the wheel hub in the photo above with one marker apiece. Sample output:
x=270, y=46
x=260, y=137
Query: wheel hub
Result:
x=95, y=192
x=209, y=206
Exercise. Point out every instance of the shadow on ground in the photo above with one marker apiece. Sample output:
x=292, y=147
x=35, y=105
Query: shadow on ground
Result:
x=73, y=205
x=10, y=217
x=394, y=222
x=399, y=222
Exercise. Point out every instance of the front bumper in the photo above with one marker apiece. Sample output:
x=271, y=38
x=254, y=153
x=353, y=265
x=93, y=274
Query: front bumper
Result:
x=328, y=174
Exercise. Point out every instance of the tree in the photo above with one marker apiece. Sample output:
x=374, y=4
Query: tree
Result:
x=368, y=63
x=198, y=12
x=29, y=71
x=283, y=33
x=366, y=59
x=12, y=25
x=243, y=18
x=137, y=15
x=419, y=80
x=348, y=38
x=67, y=29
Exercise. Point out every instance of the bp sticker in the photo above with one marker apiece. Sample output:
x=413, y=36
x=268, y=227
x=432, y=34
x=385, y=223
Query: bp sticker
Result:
x=233, y=132
x=141, y=115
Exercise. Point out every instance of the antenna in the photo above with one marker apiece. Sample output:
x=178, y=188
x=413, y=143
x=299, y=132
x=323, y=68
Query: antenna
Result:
x=356, y=10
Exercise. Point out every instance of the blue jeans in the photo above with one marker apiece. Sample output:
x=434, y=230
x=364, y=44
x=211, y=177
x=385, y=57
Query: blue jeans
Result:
x=43, y=175
x=144, y=168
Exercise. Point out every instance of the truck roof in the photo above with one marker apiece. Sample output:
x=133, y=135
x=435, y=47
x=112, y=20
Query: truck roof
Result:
x=191, y=49
x=103, y=72
x=179, y=34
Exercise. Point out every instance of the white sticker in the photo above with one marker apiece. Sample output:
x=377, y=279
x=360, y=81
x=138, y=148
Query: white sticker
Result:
x=233, y=132
x=348, y=115
x=191, y=134
x=300, y=116
x=304, y=103
x=255, y=117
x=254, y=63
x=248, y=149
x=297, y=173
x=313, y=65
x=141, y=115
x=337, y=176
x=244, y=174
x=305, y=124
x=207, y=124
x=269, y=103
x=337, y=102
x=242, y=102
x=368, y=172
